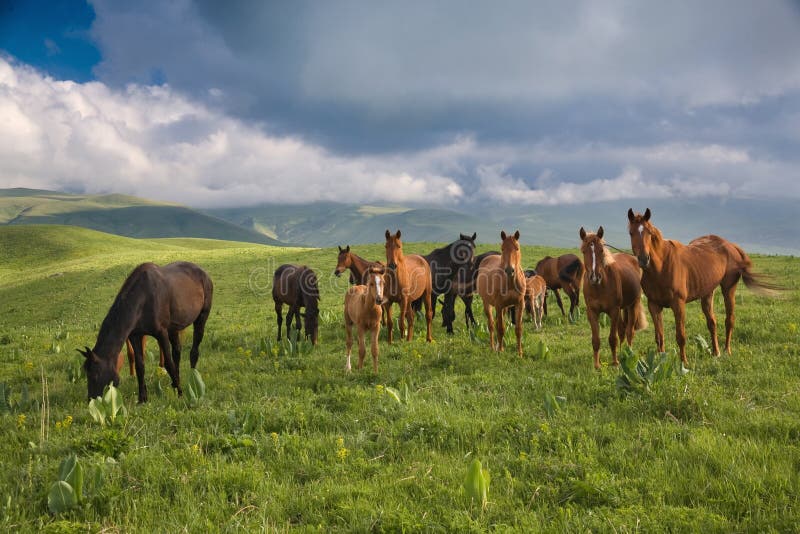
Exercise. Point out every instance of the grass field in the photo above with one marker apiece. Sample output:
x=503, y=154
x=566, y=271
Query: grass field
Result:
x=289, y=441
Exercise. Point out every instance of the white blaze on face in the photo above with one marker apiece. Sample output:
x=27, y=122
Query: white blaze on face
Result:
x=641, y=231
x=378, y=286
x=594, y=260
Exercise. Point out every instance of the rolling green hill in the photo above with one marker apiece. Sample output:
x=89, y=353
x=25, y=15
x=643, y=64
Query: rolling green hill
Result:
x=284, y=439
x=118, y=214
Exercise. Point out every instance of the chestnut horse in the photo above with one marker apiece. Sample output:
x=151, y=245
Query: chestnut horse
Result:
x=154, y=301
x=358, y=266
x=674, y=274
x=501, y=283
x=296, y=286
x=363, y=307
x=535, y=289
x=611, y=285
x=408, y=278
x=564, y=272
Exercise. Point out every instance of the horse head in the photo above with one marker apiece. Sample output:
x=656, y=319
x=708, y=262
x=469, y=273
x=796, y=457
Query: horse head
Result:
x=594, y=254
x=462, y=252
x=376, y=283
x=642, y=233
x=99, y=372
x=510, y=256
x=394, y=250
x=344, y=261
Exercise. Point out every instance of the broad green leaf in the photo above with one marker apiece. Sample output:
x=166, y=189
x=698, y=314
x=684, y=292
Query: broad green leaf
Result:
x=75, y=479
x=393, y=393
x=96, y=410
x=196, y=380
x=61, y=497
x=476, y=483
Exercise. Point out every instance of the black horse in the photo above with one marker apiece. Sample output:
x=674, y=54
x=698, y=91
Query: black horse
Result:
x=464, y=287
x=296, y=286
x=449, y=265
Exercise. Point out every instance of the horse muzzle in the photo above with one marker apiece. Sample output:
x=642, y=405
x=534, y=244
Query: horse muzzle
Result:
x=392, y=266
x=644, y=261
x=509, y=271
x=337, y=272
x=595, y=278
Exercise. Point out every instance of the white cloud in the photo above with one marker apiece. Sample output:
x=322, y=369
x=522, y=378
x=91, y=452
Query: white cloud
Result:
x=154, y=142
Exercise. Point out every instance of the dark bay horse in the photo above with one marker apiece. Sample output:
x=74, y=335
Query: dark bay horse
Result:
x=564, y=272
x=154, y=301
x=674, y=274
x=408, y=278
x=464, y=287
x=501, y=283
x=296, y=286
x=448, y=264
x=611, y=285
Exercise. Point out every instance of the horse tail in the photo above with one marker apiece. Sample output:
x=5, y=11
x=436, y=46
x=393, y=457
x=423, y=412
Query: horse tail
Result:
x=572, y=272
x=640, y=317
x=755, y=282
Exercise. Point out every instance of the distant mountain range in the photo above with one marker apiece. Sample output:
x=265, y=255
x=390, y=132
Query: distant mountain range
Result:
x=757, y=225
x=119, y=214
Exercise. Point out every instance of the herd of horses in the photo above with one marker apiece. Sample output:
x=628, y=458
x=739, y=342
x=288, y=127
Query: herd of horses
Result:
x=162, y=301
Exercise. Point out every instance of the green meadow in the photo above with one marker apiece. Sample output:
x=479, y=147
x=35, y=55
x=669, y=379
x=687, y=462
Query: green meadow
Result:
x=284, y=439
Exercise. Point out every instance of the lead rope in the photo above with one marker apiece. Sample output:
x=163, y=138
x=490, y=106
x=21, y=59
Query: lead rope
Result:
x=619, y=249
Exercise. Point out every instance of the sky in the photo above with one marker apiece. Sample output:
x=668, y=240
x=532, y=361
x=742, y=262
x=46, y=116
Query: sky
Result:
x=442, y=103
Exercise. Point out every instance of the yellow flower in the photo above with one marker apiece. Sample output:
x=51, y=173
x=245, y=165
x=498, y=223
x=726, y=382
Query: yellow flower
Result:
x=523, y=455
x=58, y=424
x=196, y=449
x=274, y=437
x=161, y=371
x=379, y=389
x=340, y=442
x=545, y=427
x=29, y=365
x=21, y=420
x=248, y=353
x=342, y=453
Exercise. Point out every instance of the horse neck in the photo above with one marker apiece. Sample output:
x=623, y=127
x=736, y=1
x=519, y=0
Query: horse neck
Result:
x=117, y=326
x=659, y=254
x=358, y=266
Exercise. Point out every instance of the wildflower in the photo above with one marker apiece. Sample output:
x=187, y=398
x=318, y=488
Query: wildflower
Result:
x=274, y=437
x=67, y=421
x=239, y=350
x=58, y=424
x=162, y=371
x=21, y=420
x=545, y=427
x=262, y=354
x=523, y=455
x=340, y=442
x=248, y=353
x=379, y=389
x=196, y=449
x=29, y=365
x=342, y=453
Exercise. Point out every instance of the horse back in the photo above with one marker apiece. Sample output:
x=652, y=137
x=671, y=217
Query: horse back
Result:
x=547, y=268
x=418, y=275
x=189, y=290
x=706, y=260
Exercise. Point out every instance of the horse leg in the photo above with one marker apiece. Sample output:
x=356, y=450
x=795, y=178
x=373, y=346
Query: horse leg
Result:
x=594, y=323
x=132, y=355
x=657, y=315
x=487, y=309
x=518, y=329
x=362, y=348
x=197, y=337
x=500, y=327
x=469, y=318
x=389, y=322
x=175, y=341
x=729, y=296
x=558, y=301
x=679, y=310
x=163, y=342
x=279, y=313
x=348, y=338
x=289, y=316
x=410, y=317
x=138, y=354
x=428, y=315
x=614, y=334
x=374, y=335
x=707, y=304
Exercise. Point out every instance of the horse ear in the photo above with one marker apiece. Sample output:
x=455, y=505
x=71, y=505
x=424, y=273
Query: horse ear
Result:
x=647, y=215
x=503, y=235
x=582, y=233
x=347, y=249
x=340, y=248
x=397, y=235
x=388, y=234
x=516, y=235
x=600, y=232
x=630, y=214
x=474, y=236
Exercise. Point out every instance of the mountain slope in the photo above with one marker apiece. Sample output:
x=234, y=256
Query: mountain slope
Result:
x=119, y=214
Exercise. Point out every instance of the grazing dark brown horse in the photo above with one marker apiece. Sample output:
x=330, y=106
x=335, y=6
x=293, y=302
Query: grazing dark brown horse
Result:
x=154, y=301
x=674, y=274
x=296, y=286
x=363, y=307
x=611, y=285
x=564, y=272
x=408, y=278
x=501, y=283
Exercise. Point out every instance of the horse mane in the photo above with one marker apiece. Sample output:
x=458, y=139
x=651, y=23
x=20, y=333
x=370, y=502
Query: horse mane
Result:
x=657, y=238
x=121, y=311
